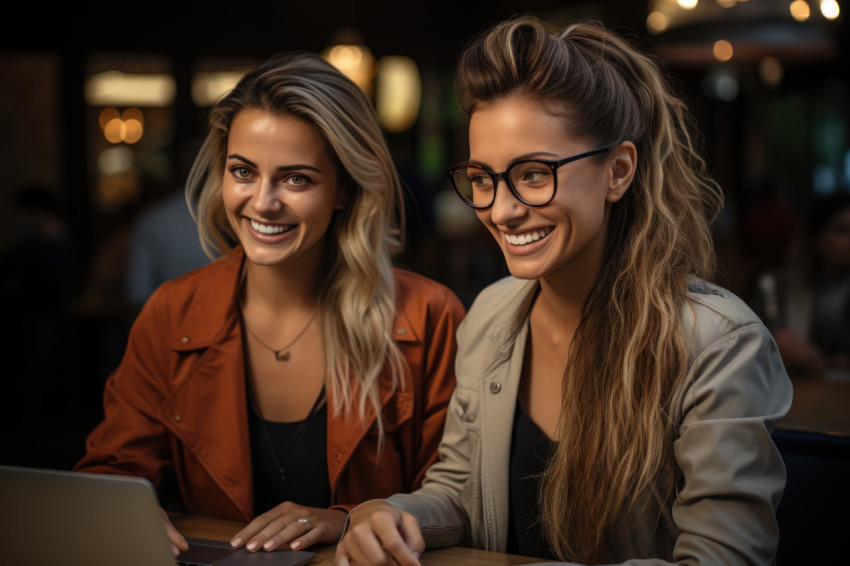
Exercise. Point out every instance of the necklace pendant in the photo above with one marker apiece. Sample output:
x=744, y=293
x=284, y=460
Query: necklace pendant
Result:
x=282, y=356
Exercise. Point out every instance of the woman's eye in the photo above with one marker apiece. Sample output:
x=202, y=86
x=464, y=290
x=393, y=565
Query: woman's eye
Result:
x=479, y=179
x=298, y=180
x=534, y=175
x=241, y=172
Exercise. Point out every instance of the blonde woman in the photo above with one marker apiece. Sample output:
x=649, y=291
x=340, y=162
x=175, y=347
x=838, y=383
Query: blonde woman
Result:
x=300, y=374
x=612, y=406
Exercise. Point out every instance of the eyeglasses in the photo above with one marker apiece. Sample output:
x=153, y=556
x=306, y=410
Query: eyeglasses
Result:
x=531, y=181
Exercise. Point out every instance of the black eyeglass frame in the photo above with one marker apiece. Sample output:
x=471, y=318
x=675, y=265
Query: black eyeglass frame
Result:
x=506, y=176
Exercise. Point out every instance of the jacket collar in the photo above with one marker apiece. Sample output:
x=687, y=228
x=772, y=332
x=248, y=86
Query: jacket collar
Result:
x=218, y=291
x=205, y=320
x=514, y=303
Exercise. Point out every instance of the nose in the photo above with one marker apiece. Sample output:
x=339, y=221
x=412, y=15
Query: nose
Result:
x=505, y=206
x=266, y=198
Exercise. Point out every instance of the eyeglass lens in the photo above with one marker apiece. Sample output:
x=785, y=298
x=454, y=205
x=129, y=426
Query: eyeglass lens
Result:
x=533, y=181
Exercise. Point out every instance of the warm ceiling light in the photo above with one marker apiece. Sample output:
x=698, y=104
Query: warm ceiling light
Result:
x=114, y=88
x=829, y=9
x=133, y=130
x=209, y=87
x=687, y=4
x=771, y=71
x=657, y=22
x=722, y=50
x=106, y=115
x=398, y=92
x=727, y=3
x=355, y=62
x=114, y=130
x=133, y=114
x=800, y=10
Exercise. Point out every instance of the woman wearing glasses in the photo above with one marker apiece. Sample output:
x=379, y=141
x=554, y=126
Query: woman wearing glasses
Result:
x=300, y=374
x=611, y=405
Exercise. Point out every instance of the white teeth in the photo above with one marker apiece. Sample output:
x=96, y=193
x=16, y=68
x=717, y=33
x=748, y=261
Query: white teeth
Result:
x=266, y=229
x=527, y=238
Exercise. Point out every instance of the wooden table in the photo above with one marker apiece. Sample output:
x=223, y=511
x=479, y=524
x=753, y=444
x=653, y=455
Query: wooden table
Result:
x=820, y=405
x=219, y=529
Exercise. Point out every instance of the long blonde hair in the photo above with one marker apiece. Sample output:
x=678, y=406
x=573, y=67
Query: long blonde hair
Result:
x=357, y=296
x=628, y=354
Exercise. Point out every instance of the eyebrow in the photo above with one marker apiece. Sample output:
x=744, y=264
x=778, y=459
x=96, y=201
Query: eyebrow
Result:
x=294, y=167
x=530, y=155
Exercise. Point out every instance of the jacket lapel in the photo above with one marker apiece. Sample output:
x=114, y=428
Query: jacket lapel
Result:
x=207, y=410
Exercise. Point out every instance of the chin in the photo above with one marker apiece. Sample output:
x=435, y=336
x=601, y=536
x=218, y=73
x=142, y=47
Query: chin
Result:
x=524, y=271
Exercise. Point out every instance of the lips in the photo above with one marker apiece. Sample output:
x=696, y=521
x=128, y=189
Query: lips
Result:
x=528, y=237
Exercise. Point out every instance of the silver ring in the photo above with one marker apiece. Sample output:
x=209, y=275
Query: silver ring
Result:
x=306, y=524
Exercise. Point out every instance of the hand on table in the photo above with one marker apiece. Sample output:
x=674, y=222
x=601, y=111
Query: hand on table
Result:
x=178, y=541
x=380, y=535
x=292, y=524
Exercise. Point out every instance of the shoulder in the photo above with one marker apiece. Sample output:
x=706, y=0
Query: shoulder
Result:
x=713, y=312
x=496, y=317
x=199, y=294
x=734, y=366
x=503, y=302
x=222, y=270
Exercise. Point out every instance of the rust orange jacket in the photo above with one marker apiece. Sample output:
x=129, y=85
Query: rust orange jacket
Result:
x=178, y=398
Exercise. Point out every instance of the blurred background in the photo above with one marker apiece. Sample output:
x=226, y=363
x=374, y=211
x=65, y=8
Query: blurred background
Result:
x=104, y=105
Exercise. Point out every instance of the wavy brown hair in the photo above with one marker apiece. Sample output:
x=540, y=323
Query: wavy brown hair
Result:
x=628, y=355
x=357, y=295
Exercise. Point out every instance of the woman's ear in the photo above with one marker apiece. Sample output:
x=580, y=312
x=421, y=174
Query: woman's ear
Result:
x=622, y=171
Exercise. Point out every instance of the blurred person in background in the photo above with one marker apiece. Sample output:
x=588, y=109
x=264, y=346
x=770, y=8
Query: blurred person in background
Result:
x=807, y=305
x=163, y=244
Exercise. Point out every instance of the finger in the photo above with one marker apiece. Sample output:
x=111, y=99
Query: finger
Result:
x=378, y=541
x=326, y=528
x=412, y=534
x=285, y=529
x=307, y=533
x=341, y=555
x=251, y=529
x=391, y=532
x=178, y=541
x=364, y=548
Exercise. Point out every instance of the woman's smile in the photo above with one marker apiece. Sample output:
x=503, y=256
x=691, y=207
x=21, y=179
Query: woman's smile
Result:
x=526, y=238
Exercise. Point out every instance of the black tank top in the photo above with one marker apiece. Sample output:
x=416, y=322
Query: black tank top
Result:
x=302, y=454
x=530, y=452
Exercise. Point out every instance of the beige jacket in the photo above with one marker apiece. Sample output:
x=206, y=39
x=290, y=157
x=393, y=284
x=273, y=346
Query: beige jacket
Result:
x=731, y=474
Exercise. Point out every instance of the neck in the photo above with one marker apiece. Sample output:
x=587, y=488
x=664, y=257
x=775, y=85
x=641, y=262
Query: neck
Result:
x=562, y=294
x=558, y=309
x=274, y=289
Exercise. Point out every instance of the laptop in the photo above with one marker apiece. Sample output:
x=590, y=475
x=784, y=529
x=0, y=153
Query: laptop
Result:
x=52, y=517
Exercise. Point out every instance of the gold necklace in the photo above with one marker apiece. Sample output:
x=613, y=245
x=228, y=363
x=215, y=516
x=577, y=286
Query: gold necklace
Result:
x=282, y=354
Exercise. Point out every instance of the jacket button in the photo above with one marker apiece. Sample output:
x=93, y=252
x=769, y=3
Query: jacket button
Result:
x=178, y=417
x=184, y=340
x=495, y=387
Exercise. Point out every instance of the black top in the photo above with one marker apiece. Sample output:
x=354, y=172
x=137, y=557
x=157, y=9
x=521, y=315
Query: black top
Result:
x=300, y=449
x=530, y=451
